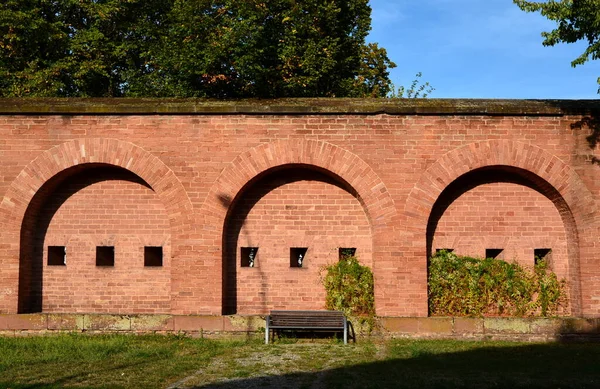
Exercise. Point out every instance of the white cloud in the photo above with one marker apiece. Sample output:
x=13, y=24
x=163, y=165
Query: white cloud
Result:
x=385, y=13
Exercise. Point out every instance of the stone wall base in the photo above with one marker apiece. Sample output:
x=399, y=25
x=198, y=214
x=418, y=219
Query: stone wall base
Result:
x=518, y=329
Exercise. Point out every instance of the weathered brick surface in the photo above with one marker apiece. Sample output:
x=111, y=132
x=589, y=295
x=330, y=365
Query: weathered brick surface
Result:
x=152, y=323
x=198, y=323
x=237, y=323
x=23, y=322
x=400, y=325
x=524, y=329
x=546, y=325
x=66, y=322
x=493, y=325
x=203, y=183
x=107, y=322
x=468, y=325
x=436, y=325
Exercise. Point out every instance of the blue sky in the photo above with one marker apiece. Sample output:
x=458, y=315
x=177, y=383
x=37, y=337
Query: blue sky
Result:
x=479, y=49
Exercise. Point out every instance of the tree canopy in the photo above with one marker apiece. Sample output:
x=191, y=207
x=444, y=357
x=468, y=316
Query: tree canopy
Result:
x=190, y=48
x=576, y=20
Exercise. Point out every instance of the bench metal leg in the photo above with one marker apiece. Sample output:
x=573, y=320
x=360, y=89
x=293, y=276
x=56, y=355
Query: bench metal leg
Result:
x=267, y=330
x=345, y=330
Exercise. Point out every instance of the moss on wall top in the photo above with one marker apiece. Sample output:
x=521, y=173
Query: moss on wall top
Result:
x=116, y=106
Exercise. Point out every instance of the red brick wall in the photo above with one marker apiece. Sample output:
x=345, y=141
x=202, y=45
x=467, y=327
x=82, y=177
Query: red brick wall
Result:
x=393, y=167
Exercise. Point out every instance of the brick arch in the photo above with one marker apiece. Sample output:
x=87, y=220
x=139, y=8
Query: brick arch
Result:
x=97, y=151
x=324, y=157
x=78, y=153
x=372, y=192
x=553, y=178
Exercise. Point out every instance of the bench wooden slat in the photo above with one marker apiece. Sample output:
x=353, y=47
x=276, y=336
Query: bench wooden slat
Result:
x=313, y=313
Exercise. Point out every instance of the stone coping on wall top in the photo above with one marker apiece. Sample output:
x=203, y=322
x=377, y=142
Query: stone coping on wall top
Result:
x=299, y=106
x=434, y=327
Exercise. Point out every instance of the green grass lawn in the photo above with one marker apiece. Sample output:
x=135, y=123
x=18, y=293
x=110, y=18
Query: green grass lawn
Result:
x=107, y=361
x=121, y=361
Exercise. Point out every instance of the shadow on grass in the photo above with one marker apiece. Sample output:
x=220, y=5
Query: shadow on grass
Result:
x=413, y=364
x=8, y=385
x=71, y=380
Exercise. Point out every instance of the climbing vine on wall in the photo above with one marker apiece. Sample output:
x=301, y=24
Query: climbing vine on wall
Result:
x=349, y=287
x=466, y=286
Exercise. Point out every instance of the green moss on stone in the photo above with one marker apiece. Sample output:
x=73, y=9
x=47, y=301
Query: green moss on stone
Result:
x=298, y=106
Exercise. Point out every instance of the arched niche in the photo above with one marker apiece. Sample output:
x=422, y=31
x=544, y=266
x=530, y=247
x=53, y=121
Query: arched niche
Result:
x=508, y=213
x=288, y=211
x=321, y=156
x=81, y=210
x=527, y=163
x=78, y=154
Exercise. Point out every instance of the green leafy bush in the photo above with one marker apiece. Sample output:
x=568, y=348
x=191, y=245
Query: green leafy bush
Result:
x=349, y=287
x=465, y=286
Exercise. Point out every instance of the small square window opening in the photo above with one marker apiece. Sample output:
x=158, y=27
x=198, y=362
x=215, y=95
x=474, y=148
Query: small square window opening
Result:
x=153, y=256
x=248, y=256
x=105, y=256
x=345, y=252
x=494, y=253
x=57, y=256
x=298, y=256
x=542, y=255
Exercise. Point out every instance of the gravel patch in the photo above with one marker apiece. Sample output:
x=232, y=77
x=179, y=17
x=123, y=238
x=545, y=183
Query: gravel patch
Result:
x=276, y=366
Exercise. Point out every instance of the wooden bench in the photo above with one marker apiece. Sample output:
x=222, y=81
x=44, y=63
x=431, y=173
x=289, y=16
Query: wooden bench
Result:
x=307, y=321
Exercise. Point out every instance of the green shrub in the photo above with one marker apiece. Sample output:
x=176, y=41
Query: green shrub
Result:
x=349, y=287
x=465, y=286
